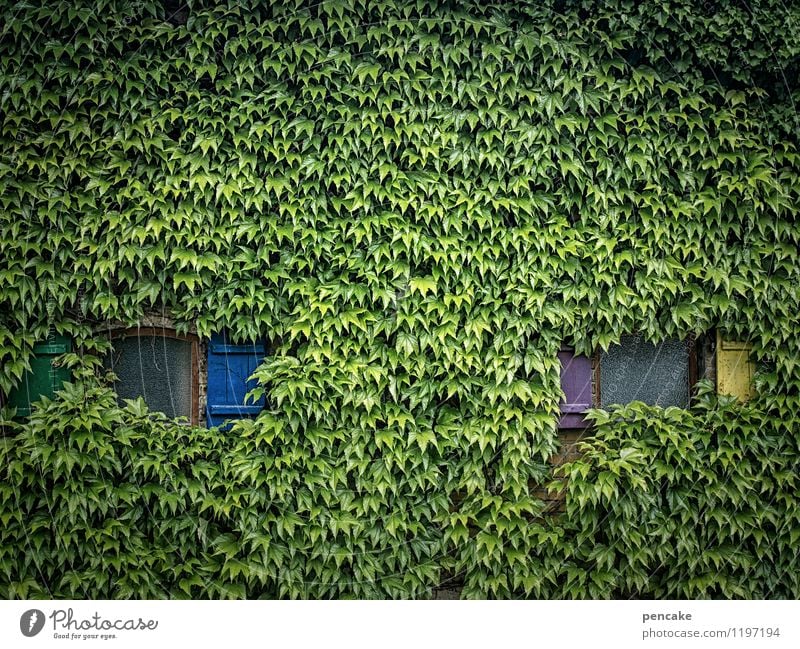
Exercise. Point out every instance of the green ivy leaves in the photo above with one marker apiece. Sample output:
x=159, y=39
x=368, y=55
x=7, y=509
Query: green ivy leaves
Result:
x=415, y=206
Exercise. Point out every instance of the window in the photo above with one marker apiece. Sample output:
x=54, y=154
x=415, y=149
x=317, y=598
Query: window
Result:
x=576, y=382
x=229, y=367
x=44, y=378
x=735, y=369
x=159, y=366
x=637, y=370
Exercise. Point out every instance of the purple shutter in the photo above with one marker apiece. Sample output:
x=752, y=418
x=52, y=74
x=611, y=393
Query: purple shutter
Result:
x=576, y=382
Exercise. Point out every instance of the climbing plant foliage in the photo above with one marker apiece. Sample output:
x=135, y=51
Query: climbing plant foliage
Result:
x=416, y=204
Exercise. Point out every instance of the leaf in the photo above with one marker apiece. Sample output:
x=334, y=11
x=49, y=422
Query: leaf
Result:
x=422, y=285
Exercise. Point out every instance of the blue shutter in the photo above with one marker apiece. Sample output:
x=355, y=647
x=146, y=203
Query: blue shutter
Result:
x=229, y=366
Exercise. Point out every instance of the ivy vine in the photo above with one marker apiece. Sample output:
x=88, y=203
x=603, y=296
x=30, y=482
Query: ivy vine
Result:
x=416, y=204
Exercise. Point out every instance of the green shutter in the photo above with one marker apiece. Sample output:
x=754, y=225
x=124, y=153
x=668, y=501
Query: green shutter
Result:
x=43, y=379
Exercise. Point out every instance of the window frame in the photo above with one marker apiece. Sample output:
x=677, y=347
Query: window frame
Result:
x=169, y=332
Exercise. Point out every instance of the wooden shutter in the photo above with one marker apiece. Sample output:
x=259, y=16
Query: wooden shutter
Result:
x=734, y=368
x=43, y=379
x=576, y=382
x=229, y=367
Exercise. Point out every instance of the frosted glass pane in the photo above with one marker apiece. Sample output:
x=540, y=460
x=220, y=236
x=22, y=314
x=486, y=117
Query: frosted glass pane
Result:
x=157, y=368
x=637, y=370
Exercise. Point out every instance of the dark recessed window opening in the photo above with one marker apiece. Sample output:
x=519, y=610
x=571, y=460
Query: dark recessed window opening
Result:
x=159, y=366
x=637, y=370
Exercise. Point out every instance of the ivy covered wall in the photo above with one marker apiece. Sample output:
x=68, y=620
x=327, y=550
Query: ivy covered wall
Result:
x=416, y=204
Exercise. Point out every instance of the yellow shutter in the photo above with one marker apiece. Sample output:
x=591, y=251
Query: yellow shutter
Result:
x=734, y=368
